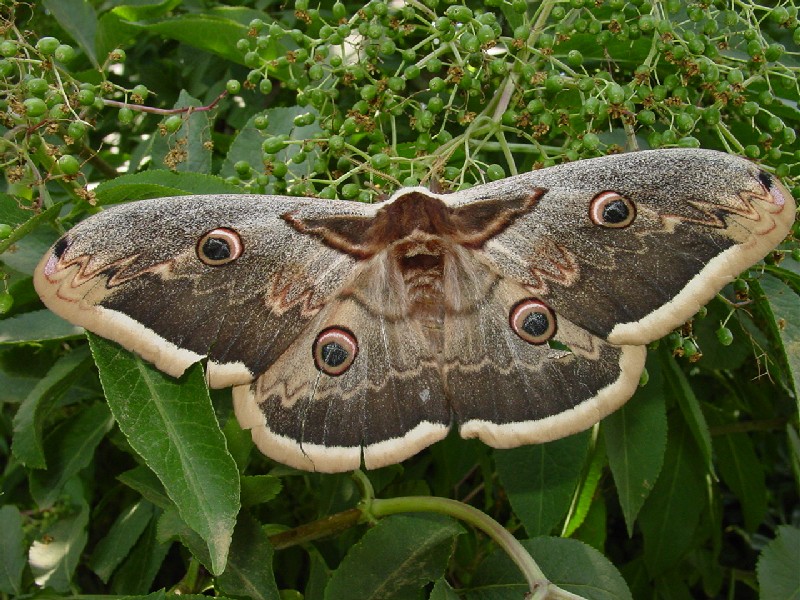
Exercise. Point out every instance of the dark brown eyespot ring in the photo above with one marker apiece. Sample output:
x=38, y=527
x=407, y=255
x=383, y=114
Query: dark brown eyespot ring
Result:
x=610, y=209
x=533, y=321
x=334, y=350
x=219, y=247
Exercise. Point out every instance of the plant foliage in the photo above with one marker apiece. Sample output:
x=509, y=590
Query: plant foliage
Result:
x=121, y=481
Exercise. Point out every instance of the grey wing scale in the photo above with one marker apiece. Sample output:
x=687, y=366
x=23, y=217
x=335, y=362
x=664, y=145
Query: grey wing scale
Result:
x=132, y=274
x=702, y=217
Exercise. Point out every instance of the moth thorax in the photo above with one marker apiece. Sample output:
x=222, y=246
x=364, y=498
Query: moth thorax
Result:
x=421, y=258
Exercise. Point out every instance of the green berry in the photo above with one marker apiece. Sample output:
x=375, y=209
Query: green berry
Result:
x=37, y=86
x=750, y=108
x=280, y=170
x=68, y=165
x=34, y=107
x=684, y=122
x=47, y=45
x=125, y=115
x=591, y=141
x=173, y=123
x=336, y=143
x=574, y=58
x=380, y=161
x=339, y=11
x=725, y=336
x=690, y=349
x=495, y=172
x=141, y=91
x=261, y=122
x=350, y=190
x=646, y=117
x=615, y=93
x=752, y=151
x=76, y=130
x=5, y=230
x=86, y=97
x=644, y=378
x=117, y=55
x=265, y=86
x=243, y=169
x=9, y=48
x=233, y=86
x=436, y=105
x=459, y=13
x=273, y=145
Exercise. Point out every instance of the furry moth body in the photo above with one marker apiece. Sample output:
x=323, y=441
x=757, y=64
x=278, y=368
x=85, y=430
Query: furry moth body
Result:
x=357, y=333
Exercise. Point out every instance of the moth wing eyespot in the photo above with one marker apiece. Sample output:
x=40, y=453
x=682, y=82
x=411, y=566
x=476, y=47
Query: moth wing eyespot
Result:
x=533, y=321
x=611, y=209
x=219, y=246
x=334, y=350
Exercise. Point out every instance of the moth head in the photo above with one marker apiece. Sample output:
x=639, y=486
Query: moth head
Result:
x=219, y=247
x=334, y=350
x=533, y=321
x=611, y=209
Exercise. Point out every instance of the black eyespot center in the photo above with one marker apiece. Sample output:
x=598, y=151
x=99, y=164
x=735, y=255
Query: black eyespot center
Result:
x=533, y=321
x=615, y=212
x=216, y=249
x=334, y=350
x=611, y=209
x=219, y=247
x=333, y=354
x=536, y=323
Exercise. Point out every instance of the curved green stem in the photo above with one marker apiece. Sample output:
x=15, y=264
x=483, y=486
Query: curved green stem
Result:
x=540, y=587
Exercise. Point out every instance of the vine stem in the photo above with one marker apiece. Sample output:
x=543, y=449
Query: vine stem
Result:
x=540, y=587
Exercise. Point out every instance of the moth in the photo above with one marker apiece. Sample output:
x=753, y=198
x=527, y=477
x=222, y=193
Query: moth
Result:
x=358, y=333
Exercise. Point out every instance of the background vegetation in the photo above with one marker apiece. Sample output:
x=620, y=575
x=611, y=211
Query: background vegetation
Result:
x=690, y=491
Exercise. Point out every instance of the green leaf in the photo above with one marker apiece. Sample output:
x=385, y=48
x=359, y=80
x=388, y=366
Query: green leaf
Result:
x=784, y=304
x=111, y=550
x=540, y=479
x=28, y=422
x=37, y=326
x=570, y=564
x=636, y=438
x=28, y=226
x=144, y=481
x=677, y=386
x=778, y=575
x=743, y=472
x=209, y=32
x=442, y=591
x=139, y=570
x=251, y=552
x=186, y=150
x=158, y=183
x=587, y=495
x=171, y=424
x=68, y=449
x=78, y=18
x=247, y=145
x=395, y=558
x=249, y=573
x=12, y=550
x=11, y=213
x=671, y=513
x=54, y=558
x=257, y=489
x=140, y=11
x=318, y=575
